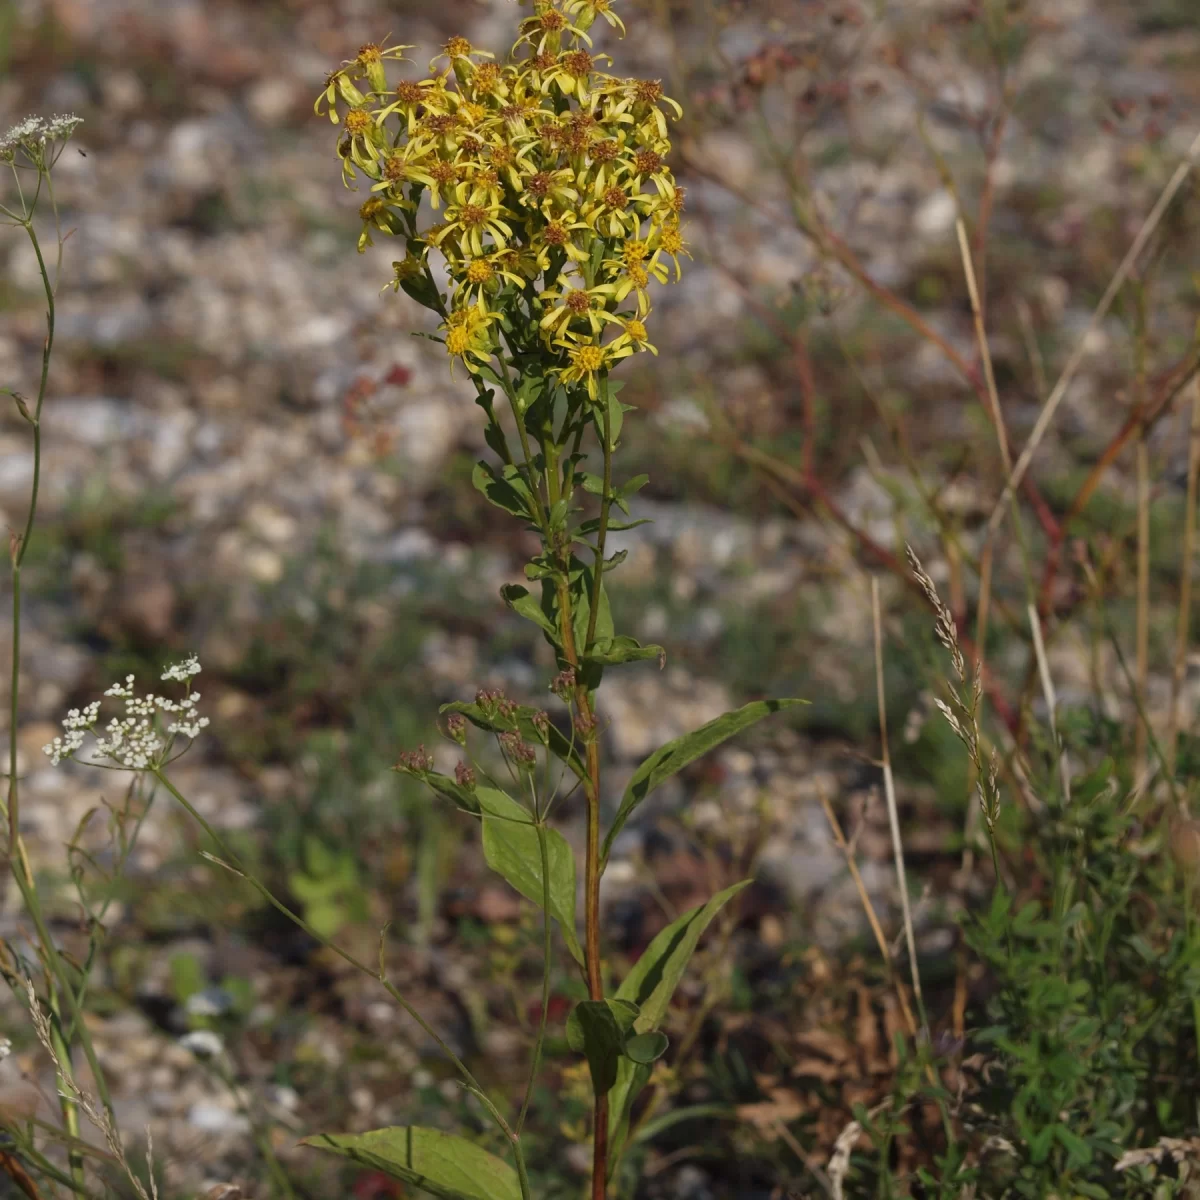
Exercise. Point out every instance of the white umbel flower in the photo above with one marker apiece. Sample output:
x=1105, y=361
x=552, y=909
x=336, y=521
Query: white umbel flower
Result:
x=143, y=738
x=34, y=134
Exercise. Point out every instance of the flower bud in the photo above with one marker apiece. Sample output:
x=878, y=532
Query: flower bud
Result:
x=563, y=684
x=456, y=728
x=414, y=762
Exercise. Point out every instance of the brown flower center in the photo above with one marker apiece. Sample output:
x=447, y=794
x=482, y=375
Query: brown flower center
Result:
x=409, y=93
x=646, y=162
x=578, y=63
x=615, y=198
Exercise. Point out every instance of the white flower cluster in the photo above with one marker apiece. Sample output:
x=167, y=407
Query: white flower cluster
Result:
x=34, y=132
x=137, y=741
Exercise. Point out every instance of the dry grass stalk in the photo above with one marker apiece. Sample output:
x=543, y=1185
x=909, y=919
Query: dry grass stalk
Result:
x=989, y=373
x=876, y=928
x=1043, y=666
x=889, y=788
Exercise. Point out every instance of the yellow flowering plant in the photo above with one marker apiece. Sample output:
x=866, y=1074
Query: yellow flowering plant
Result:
x=540, y=189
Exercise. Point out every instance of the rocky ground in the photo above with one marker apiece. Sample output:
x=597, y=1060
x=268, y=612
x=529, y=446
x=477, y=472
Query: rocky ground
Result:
x=247, y=456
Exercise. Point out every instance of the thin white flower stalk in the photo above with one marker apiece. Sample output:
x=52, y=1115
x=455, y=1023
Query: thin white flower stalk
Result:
x=145, y=737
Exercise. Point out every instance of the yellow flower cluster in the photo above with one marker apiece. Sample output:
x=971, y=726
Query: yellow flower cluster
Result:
x=554, y=207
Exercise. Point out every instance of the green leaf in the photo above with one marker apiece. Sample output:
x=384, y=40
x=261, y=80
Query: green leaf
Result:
x=522, y=602
x=500, y=491
x=652, y=980
x=1079, y=1153
x=628, y=489
x=650, y=985
x=592, y=525
x=441, y=1164
x=512, y=850
x=452, y=790
x=493, y=434
x=582, y=600
x=631, y=1078
x=421, y=290
x=623, y=649
x=598, y=1028
x=677, y=754
x=488, y=372
x=616, y=418
x=187, y=976
x=647, y=1047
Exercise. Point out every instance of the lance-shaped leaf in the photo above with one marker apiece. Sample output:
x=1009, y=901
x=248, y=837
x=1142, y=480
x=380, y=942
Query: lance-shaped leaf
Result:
x=650, y=985
x=677, y=754
x=512, y=849
x=441, y=1164
x=631, y=1078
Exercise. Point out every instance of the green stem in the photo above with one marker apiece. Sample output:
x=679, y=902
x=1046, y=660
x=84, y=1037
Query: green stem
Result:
x=67, y=1105
x=523, y=433
x=536, y=1064
x=18, y=858
x=601, y=533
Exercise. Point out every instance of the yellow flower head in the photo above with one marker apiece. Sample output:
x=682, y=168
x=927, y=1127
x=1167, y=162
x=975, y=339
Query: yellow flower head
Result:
x=550, y=179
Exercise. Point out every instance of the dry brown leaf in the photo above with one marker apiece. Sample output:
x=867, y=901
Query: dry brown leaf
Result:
x=783, y=1107
x=825, y=1042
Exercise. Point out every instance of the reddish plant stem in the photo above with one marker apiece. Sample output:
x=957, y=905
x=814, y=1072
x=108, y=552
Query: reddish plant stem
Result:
x=595, y=981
